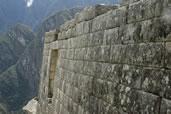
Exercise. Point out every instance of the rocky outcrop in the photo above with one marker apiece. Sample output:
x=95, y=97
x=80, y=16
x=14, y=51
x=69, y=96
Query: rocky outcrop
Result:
x=31, y=107
x=111, y=61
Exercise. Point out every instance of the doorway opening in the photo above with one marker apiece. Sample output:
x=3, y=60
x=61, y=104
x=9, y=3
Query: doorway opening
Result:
x=52, y=71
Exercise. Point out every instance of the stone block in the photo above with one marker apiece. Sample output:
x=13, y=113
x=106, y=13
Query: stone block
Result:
x=127, y=2
x=80, y=53
x=82, y=28
x=124, y=74
x=62, y=44
x=165, y=106
x=68, y=34
x=111, y=72
x=97, y=66
x=46, y=47
x=130, y=33
x=92, y=12
x=111, y=37
x=144, y=9
x=126, y=99
x=46, y=52
x=131, y=76
x=50, y=36
x=62, y=53
x=168, y=54
x=159, y=30
x=114, y=18
x=100, y=54
x=88, y=68
x=84, y=41
x=70, y=54
x=157, y=81
x=85, y=83
x=78, y=67
x=96, y=39
x=117, y=53
x=67, y=25
x=149, y=54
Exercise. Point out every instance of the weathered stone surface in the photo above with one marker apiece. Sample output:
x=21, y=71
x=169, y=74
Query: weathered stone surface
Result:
x=111, y=37
x=127, y=2
x=157, y=81
x=115, y=19
x=51, y=36
x=168, y=54
x=92, y=12
x=96, y=39
x=31, y=107
x=151, y=54
x=144, y=9
x=110, y=62
x=165, y=106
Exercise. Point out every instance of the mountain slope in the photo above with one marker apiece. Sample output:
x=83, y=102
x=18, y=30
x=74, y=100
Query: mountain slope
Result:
x=12, y=45
x=16, y=11
x=20, y=82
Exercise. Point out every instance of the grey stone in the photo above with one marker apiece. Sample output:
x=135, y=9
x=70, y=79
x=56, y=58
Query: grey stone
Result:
x=157, y=81
x=165, y=106
x=127, y=2
x=168, y=54
x=144, y=9
x=92, y=12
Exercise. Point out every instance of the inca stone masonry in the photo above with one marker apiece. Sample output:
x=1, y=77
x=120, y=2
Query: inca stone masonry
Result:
x=109, y=60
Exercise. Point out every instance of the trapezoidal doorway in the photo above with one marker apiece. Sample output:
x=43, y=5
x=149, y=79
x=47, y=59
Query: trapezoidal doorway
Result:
x=52, y=71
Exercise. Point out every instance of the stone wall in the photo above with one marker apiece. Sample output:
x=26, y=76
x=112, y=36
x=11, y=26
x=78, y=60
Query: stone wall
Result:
x=110, y=60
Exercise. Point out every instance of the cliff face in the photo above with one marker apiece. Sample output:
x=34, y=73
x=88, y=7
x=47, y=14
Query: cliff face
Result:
x=109, y=59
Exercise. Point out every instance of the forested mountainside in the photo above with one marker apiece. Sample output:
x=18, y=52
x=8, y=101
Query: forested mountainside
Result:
x=17, y=11
x=12, y=45
x=20, y=82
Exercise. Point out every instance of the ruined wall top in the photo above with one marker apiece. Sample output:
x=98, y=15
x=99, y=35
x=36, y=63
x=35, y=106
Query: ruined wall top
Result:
x=129, y=11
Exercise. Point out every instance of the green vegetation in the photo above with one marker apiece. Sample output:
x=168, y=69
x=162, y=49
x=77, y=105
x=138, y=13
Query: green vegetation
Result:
x=20, y=82
x=12, y=45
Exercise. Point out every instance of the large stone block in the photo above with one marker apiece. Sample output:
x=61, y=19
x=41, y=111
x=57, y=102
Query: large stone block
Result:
x=88, y=68
x=126, y=99
x=85, y=83
x=111, y=72
x=151, y=54
x=111, y=19
x=131, y=33
x=91, y=12
x=62, y=53
x=95, y=39
x=168, y=54
x=165, y=106
x=123, y=74
x=157, y=81
x=144, y=9
x=101, y=54
x=118, y=53
x=67, y=25
x=80, y=53
x=111, y=36
x=127, y=2
x=78, y=67
x=82, y=28
x=51, y=36
x=70, y=54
